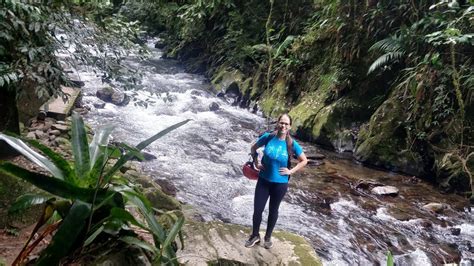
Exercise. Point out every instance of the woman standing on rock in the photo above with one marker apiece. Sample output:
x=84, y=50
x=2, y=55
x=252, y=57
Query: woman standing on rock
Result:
x=275, y=172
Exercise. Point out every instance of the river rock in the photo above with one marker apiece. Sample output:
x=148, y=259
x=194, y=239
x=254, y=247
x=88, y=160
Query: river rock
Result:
x=167, y=187
x=435, y=207
x=316, y=156
x=216, y=243
x=160, y=44
x=214, y=106
x=455, y=231
x=315, y=162
x=77, y=83
x=385, y=190
x=196, y=93
x=109, y=94
x=99, y=105
x=367, y=184
x=160, y=200
x=117, y=97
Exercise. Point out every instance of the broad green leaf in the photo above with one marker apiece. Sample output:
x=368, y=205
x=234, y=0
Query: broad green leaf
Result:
x=70, y=230
x=79, y=147
x=32, y=155
x=26, y=201
x=101, y=138
x=57, y=159
x=53, y=185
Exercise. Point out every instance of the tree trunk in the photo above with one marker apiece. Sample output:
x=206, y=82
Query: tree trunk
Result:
x=8, y=118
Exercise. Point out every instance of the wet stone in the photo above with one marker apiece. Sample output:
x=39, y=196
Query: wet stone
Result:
x=455, y=231
x=214, y=107
x=99, y=105
x=435, y=207
x=316, y=156
x=385, y=190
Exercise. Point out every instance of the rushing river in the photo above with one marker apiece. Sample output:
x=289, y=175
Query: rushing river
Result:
x=344, y=224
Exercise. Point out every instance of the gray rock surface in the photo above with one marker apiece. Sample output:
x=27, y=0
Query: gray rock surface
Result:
x=207, y=242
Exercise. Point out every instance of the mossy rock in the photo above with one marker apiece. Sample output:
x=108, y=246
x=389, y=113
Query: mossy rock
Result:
x=383, y=141
x=211, y=242
x=320, y=119
x=225, y=77
x=273, y=102
x=160, y=200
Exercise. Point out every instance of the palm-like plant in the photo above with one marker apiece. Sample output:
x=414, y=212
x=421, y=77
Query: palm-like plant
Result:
x=393, y=50
x=89, y=199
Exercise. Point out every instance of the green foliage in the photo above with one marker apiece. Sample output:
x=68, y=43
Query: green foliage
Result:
x=27, y=48
x=92, y=201
x=389, y=258
x=419, y=48
x=393, y=49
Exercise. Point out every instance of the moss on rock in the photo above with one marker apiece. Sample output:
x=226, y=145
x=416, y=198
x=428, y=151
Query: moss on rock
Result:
x=208, y=242
x=383, y=141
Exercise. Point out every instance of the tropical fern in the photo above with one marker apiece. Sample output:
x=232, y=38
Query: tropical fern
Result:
x=393, y=50
x=385, y=59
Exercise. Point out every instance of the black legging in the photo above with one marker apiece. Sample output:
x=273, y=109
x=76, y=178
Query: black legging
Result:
x=263, y=190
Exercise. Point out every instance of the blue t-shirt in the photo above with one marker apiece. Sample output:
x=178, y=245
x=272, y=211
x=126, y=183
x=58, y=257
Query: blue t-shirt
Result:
x=275, y=156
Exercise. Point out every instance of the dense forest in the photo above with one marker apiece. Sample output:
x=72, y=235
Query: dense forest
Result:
x=389, y=81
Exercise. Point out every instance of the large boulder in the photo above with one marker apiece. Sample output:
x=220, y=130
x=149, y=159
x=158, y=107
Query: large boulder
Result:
x=217, y=243
x=383, y=141
x=112, y=95
x=233, y=87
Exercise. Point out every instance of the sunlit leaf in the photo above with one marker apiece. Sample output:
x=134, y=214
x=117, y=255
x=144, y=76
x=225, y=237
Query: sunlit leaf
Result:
x=32, y=155
x=101, y=138
x=57, y=159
